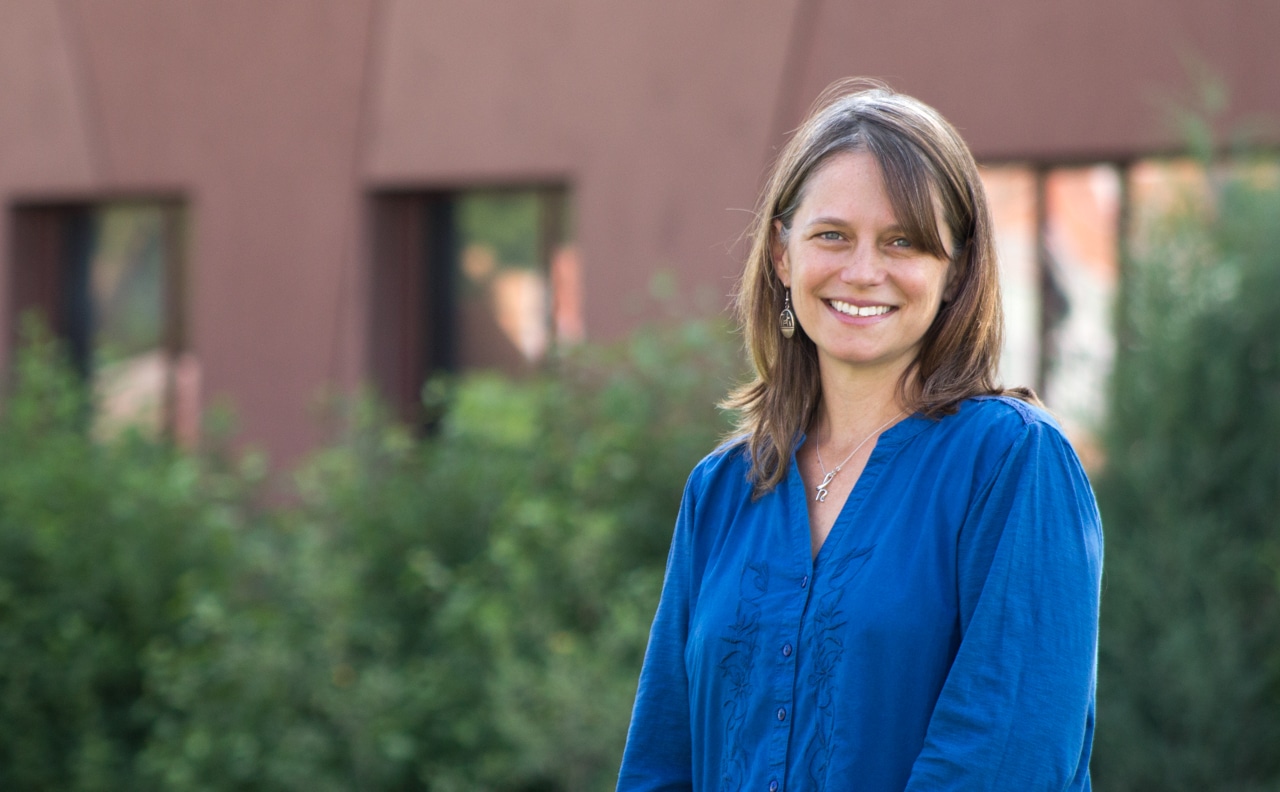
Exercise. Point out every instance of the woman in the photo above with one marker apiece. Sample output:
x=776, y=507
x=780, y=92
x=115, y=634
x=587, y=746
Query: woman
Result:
x=889, y=580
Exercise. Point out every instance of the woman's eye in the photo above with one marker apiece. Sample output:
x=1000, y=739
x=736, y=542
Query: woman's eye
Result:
x=830, y=236
x=901, y=242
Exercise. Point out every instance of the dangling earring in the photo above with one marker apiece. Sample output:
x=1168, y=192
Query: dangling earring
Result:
x=787, y=320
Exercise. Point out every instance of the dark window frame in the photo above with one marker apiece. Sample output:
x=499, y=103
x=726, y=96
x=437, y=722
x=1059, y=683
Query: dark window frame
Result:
x=51, y=244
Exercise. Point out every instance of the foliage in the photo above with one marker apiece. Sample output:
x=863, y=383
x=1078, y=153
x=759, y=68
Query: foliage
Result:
x=1189, y=669
x=466, y=611
x=98, y=545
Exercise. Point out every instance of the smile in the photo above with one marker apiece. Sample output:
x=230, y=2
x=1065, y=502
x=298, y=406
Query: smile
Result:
x=852, y=310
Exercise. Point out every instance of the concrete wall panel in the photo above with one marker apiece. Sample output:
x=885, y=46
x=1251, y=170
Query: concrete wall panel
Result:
x=46, y=147
x=1055, y=81
x=251, y=110
x=277, y=121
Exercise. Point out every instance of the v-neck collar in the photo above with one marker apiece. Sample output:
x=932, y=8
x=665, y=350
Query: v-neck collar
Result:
x=886, y=444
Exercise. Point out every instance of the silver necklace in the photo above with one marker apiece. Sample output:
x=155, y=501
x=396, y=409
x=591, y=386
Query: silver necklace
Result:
x=821, y=490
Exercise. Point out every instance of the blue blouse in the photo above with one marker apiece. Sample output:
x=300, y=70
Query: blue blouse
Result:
x=944, y=638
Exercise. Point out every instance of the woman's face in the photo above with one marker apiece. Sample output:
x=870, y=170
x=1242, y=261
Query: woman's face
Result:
x=861, y=290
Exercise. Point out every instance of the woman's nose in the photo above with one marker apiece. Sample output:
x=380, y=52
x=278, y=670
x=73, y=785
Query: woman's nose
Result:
x=863, y=266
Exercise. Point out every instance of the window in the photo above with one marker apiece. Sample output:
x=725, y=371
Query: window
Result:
x=107, y=279
x=1011, y=191
x=1080, y=255
x=1060, y=234
x=469, y=279
x=1058, y=238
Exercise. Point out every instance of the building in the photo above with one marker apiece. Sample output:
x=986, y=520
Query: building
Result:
x=263, y=202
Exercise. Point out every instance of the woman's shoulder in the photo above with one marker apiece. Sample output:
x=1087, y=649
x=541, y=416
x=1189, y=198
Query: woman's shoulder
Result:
x=726, y=466
x=1004, y=414
x=990, y=427
x=730, y=454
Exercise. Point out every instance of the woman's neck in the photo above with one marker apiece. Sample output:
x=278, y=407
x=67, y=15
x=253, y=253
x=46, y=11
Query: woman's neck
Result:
x=852, y=407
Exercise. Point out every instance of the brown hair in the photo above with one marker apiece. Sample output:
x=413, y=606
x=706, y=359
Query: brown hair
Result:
x=923, y=160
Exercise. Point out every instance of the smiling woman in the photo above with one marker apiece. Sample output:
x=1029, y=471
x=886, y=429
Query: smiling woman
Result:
x=922, y=614
x=864, y=291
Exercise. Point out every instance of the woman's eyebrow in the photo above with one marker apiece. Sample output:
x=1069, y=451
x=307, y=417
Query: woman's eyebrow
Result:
x=827, y=220
x=894, y=228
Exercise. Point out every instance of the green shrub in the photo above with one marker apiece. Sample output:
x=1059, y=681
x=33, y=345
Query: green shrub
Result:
x=99, y=543
x=464, y=613
x=1189, y=667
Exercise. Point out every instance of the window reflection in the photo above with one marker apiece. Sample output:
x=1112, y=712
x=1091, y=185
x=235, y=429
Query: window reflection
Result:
x=107, y=279
x=470, y=279
x=1081, y=242
x=512, y=244
x=1059, y=238
x=1011, y=192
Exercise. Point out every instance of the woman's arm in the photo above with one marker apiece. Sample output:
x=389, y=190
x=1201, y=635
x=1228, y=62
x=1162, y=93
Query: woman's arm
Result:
x=1016, y=711
x=659, y=753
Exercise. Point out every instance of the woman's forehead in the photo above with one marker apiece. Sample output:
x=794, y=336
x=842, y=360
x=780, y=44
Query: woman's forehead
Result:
x=852, y=185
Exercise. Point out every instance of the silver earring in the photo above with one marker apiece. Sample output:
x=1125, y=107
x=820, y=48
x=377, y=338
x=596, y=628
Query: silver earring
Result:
x=787, y=320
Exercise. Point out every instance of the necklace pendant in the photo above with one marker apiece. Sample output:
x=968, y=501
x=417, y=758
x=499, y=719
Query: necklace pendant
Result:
x=820, y=494
x=821, y=489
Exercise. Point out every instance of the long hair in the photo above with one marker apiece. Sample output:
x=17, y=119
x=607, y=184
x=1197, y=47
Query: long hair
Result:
x=925, y=164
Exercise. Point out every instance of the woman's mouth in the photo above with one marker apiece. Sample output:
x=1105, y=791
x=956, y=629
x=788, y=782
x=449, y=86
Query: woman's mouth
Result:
x=849, y=309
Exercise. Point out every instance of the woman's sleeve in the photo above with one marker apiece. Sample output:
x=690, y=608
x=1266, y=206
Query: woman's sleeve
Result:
x=1016, y=710
x=659, y=752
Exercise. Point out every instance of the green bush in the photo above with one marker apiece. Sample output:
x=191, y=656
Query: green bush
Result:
x=1189, y=667
x=465, y=612
x=99, y=545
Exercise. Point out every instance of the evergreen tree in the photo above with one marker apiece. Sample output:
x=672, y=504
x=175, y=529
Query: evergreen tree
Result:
x=1189, y=666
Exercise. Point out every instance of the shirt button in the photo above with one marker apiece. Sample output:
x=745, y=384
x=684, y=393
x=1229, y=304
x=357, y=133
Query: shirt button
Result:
x=804, y=582
x=773, y=786
x=782, y=713
x=786, y=650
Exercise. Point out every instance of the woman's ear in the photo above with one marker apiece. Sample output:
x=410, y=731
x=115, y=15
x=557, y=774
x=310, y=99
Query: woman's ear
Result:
x=778, y=254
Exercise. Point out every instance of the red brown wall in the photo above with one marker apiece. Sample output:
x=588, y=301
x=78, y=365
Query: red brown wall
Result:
x=1050, y=80
x=276, y=121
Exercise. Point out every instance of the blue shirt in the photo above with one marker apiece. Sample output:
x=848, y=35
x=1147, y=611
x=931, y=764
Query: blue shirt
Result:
x=944, y=638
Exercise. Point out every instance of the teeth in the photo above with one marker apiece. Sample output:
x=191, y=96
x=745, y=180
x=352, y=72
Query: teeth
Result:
x=853, y=310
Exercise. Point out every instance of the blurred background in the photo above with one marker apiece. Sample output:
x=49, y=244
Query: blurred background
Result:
x=356, y=353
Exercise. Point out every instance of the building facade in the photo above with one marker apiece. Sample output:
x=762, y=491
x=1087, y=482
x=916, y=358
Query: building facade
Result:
x=260, y=203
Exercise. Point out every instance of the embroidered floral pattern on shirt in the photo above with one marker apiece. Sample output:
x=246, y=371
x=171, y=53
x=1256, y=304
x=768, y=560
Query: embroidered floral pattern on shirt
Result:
x=827, y=648
x=743, y=640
